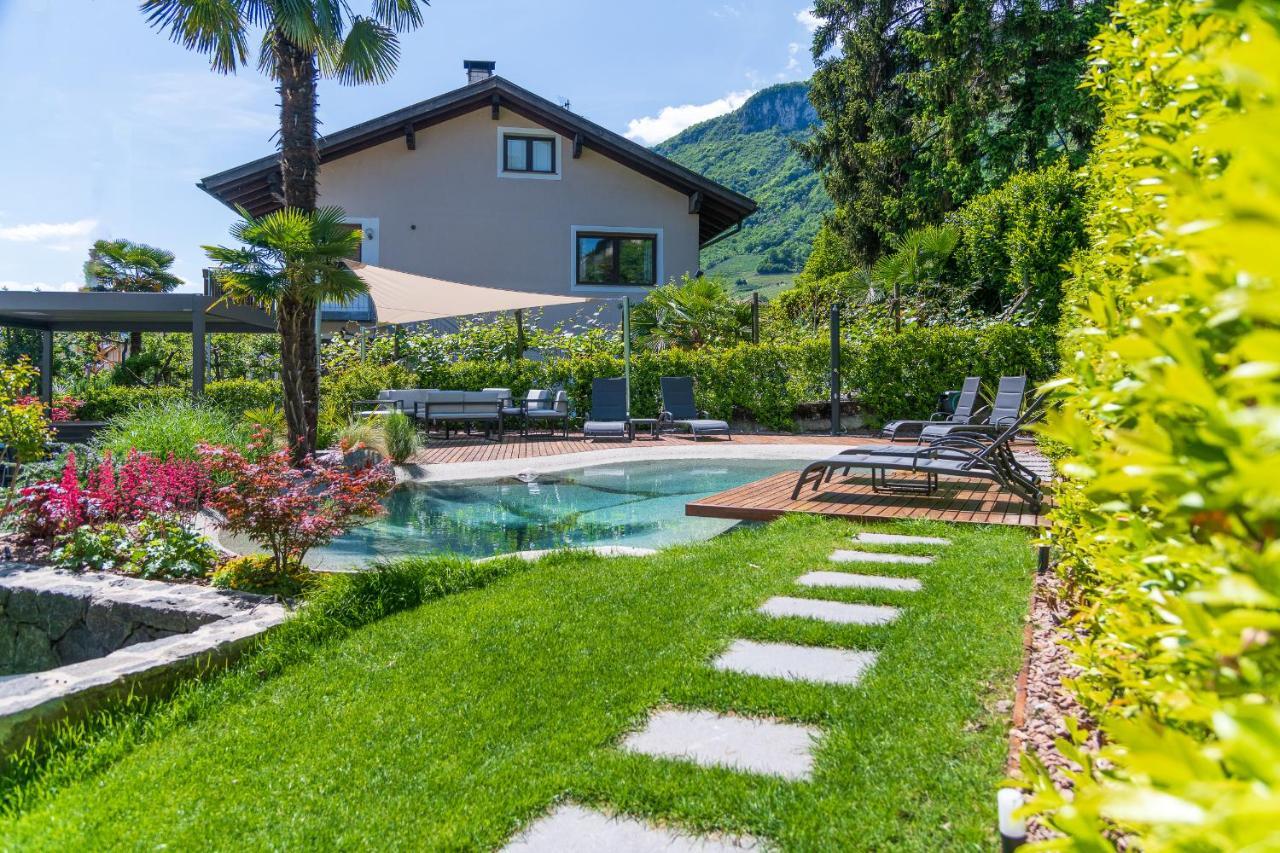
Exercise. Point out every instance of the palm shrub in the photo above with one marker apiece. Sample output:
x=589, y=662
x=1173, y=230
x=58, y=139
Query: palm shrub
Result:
x=129, y=267
x=399, y=437
x=1168, y=517
x=692, y=313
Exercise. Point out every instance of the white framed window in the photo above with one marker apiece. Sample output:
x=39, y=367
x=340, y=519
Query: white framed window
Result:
x=529, y=152
x=609, y=258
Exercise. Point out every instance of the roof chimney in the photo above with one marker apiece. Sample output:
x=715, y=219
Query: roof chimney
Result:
x=478, y=70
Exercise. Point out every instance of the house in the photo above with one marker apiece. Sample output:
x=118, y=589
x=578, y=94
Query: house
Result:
x=492, y=185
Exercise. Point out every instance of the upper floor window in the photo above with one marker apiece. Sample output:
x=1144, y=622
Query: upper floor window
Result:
x=529, y=154
x=624, y=259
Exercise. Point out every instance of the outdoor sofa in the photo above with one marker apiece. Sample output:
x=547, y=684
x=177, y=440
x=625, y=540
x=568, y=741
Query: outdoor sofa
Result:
x=610, y=415
x=391, y=400
x=680, y=410
x=468, y=408
x=968, y=409
x=965, y=455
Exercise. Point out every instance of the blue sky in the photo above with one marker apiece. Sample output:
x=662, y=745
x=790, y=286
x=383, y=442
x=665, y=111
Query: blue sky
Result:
x=108, y=125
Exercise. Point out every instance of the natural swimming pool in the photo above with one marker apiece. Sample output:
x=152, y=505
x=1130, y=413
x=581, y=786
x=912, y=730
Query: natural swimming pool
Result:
x=639, y=504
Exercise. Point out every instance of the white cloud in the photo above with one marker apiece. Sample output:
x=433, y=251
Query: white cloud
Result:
x=726, y=10
x=178, y=100
x=808, y=20
x=40, y=232
x=793, y=62
x=65, y=287
x=669, y=121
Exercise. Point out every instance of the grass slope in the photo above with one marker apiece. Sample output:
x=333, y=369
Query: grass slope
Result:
x=453, y=724
x=750, y=150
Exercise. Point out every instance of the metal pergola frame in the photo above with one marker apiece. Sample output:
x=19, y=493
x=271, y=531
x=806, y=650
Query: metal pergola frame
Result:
x=107, y=311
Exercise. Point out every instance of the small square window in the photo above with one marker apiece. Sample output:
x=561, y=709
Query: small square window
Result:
x=529, y=154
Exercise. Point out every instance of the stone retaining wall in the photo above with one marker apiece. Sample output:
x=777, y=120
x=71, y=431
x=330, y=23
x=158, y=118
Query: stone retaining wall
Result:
x=108, y=636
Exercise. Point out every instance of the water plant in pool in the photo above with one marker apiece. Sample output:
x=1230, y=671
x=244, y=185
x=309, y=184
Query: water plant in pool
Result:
x=635, y=503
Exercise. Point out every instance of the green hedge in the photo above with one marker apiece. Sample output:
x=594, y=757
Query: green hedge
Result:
x=232, y=396
x=1168, y=518
x=892, y=375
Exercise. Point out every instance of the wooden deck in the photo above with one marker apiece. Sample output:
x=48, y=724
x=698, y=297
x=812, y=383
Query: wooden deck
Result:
x=476, y=449
x=962, y=501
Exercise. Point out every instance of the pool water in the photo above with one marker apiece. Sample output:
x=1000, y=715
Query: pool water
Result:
x=637, y=503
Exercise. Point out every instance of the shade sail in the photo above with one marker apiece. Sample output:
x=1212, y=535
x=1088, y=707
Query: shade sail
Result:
x=401, y=297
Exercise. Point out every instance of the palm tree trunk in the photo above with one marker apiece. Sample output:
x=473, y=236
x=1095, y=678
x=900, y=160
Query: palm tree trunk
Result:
x=299, y=166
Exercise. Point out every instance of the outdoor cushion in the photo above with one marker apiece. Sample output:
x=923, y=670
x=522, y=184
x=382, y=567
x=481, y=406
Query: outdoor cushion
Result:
x=604, y=428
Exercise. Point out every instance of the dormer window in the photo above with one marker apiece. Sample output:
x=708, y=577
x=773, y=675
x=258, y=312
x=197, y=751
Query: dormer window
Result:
x=528, y=152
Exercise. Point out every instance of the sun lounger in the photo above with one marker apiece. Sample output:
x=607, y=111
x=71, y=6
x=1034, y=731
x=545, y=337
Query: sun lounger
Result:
x=968, y=409
x=1006, y=409
x=970, y=456
x=610, y=415
x=679, y=409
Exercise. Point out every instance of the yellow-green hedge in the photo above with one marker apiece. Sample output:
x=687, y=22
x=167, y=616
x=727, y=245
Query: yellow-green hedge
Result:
x=1170, y=516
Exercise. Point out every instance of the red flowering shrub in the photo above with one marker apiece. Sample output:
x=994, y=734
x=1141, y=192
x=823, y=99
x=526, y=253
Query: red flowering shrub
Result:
x=141, y=486
x=290, y=510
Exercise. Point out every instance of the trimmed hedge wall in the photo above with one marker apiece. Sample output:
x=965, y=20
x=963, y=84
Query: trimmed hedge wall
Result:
x=232, y=396
x=890, y=375
x=1168, y=517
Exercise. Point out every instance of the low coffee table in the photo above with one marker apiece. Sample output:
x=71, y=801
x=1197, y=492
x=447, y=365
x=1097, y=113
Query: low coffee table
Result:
x=652, y=424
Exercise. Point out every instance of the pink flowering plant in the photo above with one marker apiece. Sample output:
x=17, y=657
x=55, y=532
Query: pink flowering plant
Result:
x=288, y=509
x=64, y=408
x=139, y=487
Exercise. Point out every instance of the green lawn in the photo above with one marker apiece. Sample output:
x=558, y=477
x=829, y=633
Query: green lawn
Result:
x=452, y=724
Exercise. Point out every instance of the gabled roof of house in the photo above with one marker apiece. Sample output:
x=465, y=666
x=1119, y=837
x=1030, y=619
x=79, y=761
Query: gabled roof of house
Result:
x=256, y=186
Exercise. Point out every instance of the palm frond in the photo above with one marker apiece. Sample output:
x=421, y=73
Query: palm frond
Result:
x=399, y=15
x=215, y=28
x=368, y=54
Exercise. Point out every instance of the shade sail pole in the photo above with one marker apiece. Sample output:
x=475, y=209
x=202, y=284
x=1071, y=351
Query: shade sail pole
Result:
x=626, y=349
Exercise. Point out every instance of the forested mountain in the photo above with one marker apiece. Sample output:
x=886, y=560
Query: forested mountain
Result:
x=750, y=150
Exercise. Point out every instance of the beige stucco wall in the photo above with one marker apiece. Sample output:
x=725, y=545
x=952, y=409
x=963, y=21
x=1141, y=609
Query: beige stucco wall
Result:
x=442, y=210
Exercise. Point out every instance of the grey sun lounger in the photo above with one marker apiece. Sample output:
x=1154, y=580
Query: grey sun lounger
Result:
x=969, y=408
x=962, y=455
x=1006, y=409
x=679, y=409
x=610, y=415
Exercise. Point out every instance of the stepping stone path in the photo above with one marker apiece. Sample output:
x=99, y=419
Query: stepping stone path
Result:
x=719, y=740
x=898, y=539
x=751, y=745
x=852, y=581
x=795, y=663
x=574, y=829
x=829, y=611
x=842, y=556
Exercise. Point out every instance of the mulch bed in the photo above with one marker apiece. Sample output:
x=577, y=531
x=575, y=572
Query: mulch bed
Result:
x=1042, y=702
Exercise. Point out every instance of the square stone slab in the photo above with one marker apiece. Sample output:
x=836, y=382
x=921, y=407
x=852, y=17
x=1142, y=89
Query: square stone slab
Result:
x=574, y=829
x=848, y=580
x=717, y=740
x=795, y=663
x=829, y=611
x=899, y=539
x=843, y=556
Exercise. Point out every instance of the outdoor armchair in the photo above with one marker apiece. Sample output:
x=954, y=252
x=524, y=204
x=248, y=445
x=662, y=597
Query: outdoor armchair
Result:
x=547, y=406
x=679, y=409
x=610, y=415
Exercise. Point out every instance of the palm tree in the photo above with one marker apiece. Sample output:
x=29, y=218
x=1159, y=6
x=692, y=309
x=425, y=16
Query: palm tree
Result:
x=301, y=39
x=290, y=259
x=129, y=267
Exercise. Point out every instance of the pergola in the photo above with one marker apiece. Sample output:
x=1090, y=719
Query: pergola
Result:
x=97, y=311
